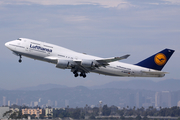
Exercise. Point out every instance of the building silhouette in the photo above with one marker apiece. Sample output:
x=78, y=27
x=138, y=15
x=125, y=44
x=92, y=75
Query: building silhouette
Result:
x=163, y=99
x=4, y=100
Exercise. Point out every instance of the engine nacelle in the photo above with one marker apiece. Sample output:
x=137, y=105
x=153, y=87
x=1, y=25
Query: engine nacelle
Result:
x=63, y=64
x=89, y=63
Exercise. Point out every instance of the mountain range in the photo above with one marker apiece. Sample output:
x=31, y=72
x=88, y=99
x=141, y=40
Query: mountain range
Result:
x=165, y=85
x=42, y=87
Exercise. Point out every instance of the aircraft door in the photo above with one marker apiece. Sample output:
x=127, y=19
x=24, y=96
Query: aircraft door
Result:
x=26, y=45
x=18, y=44
x=48, y=53
x=27, y=48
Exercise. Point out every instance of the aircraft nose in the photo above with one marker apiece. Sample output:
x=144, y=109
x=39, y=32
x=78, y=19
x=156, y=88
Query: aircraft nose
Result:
x=6, y=44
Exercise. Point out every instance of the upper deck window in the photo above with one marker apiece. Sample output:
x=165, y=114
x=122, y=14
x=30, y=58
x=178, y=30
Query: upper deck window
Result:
x=19, y=39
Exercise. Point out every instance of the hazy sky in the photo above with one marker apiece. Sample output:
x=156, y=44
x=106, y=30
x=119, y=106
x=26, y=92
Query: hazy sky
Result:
x=104, y=28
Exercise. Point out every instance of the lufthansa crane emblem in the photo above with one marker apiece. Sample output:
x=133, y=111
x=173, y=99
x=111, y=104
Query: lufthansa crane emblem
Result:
x=160, y=59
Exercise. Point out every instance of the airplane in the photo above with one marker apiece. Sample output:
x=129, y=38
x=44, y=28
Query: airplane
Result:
x=81, y=64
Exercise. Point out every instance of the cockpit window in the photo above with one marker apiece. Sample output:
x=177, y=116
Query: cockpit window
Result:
x=19, y=39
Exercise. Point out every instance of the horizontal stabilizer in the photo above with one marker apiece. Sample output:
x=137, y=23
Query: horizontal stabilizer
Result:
x=155, y=72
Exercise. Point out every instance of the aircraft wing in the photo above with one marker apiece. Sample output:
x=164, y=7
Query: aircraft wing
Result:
x=101, y=62
x=113, y=59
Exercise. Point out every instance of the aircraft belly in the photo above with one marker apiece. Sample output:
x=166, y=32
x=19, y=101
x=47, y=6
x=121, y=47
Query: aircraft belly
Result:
x=107, y=71
x=139, y=73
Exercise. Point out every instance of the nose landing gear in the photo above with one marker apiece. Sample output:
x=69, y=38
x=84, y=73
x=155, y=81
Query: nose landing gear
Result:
x=20, y=59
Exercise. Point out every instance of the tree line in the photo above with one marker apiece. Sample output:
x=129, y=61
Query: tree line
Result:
x=91, y=113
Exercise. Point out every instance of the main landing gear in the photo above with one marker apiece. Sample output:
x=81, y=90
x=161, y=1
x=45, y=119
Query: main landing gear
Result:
x=81, y=75
x=75, y=73
x=20, y=59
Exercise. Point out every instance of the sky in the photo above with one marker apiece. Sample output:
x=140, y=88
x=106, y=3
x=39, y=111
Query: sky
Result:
x=104, y=28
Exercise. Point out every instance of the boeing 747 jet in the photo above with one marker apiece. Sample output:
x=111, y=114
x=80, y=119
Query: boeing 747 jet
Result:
x=81, y=64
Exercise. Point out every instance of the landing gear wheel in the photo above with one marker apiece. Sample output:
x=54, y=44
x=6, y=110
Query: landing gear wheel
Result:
x=81, y=74
x=20, y=60
x=84, y=75
x=75, y=74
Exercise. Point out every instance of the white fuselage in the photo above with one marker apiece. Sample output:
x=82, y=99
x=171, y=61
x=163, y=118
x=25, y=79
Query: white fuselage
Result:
x=41, y=51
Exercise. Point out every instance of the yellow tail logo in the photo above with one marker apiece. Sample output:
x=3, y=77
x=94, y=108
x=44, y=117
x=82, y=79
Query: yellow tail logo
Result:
x=160, y=59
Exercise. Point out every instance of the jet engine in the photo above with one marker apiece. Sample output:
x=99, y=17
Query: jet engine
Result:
x=63, y=64
x=89, y=63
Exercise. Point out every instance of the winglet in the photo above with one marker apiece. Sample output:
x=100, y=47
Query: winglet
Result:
x=122, y=57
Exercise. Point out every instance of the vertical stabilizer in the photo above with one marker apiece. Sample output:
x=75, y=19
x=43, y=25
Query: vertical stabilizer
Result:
x=157, y=61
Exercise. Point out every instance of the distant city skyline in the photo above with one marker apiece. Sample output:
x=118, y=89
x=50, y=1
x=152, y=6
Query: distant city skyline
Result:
x=82, y=96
